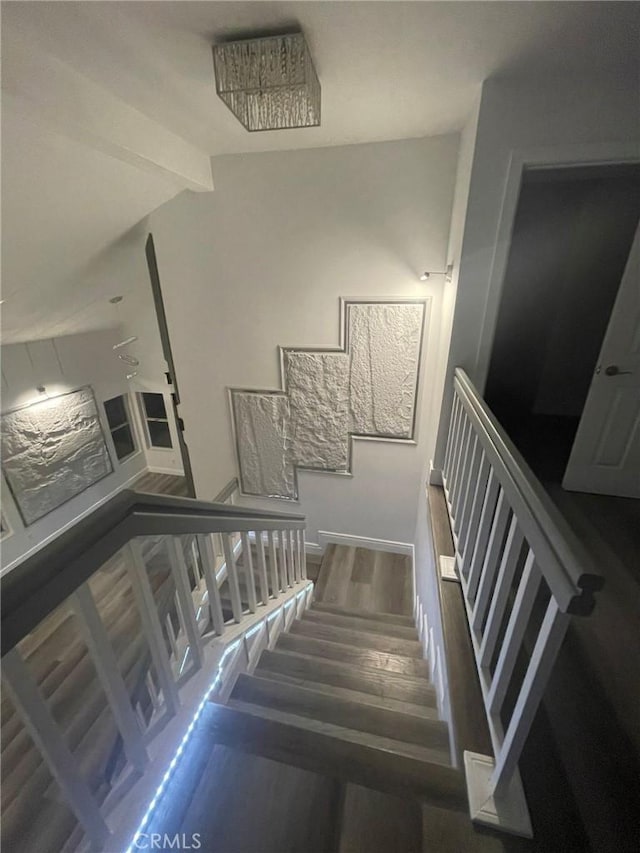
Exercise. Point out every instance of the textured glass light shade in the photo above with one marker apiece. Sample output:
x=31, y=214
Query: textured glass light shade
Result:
x=268, y=83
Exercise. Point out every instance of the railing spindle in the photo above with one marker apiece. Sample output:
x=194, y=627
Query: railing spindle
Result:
x=232, y=577
x=491, y=561
x=473, y=566
x=464, y=508
x=506, y=573
x=465, y=432
x=545, y=651
x=514, y=634
x=468, y=537
x=207, y=552
x=262, y=567
x=303, y=555
x=453, y=422
x=284, y=570
x=151, y=624
x=273, y=566
x=106, y=665
x=183, y=590
x=247, y=562
x=45, y=733
x=293, y=561
x=464, y=478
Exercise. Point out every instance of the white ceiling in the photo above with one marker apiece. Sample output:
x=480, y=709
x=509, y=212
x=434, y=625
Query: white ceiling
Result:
x=388, y=70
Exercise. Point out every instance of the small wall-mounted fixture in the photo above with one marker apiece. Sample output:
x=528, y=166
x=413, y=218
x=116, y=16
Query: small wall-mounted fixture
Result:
x=131, y=375
x=41, y=389
x=448, y=273
x=129, y=359
x=126, y=342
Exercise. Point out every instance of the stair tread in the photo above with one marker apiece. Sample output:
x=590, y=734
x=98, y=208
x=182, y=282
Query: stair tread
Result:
x=364, y=657
x=413, y=709
x=380, y=683
x=356, y=623
x=342, y=711
x=373, y=615
x=380, y=763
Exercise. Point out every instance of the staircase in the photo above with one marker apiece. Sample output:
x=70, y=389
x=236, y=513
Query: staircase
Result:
x=332, y=743
x=342, y=686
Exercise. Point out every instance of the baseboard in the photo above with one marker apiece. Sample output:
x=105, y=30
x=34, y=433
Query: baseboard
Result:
x=313, y=549
x=173, y=472
x=326, y=536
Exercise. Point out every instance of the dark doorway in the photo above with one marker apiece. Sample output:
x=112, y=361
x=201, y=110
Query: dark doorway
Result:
x=572, y=235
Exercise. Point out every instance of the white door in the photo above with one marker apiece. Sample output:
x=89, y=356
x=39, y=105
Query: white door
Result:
x=605, y=457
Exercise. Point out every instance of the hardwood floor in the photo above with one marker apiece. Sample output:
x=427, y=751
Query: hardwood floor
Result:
x=364, y=580
x=161, y=484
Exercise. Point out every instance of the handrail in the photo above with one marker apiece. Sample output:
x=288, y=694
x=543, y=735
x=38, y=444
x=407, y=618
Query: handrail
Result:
x=43, y=581
x=566, y=565
x=515, y=557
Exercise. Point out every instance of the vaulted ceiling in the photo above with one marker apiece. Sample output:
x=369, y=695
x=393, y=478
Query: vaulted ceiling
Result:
x=109, y=109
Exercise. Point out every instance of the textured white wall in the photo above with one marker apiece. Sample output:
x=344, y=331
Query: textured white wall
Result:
x=262, y=262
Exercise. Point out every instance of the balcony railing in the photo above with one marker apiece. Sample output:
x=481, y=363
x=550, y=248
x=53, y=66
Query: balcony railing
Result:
x=117, y=632
x=523, y=573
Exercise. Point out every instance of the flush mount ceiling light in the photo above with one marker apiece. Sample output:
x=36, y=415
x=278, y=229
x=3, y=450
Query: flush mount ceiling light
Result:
x=268, y=83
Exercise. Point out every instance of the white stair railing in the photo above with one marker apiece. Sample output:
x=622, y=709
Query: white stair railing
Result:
x=522, y=571
x=190, y=595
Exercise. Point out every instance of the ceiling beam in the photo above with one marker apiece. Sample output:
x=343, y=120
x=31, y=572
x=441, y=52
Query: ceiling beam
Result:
x=43, y=87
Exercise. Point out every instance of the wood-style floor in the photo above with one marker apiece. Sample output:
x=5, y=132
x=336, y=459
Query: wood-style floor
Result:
x=161, y=484
x=360, y=579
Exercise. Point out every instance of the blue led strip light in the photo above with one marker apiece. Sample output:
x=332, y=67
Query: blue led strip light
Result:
x=172, y=766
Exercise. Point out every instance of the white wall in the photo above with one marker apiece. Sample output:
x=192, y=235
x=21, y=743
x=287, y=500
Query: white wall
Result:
x=560, y=121
x=71, y=361
x=263, y=261
x=62, y=365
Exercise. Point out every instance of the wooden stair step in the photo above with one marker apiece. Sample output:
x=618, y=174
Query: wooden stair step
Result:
x=337, y=752
x=364, y=657
x=340, y=711
x=349, y=637
x=356, y=623
x=374, y=616
x=426, y=711
x=382, y=684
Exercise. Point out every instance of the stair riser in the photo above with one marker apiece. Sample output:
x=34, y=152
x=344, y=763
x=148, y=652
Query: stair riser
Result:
x=368, y=626
x=390, y=618
x=342, y=759
x=377, y=642
x=351, y=715
x=376, y=682
x=349, y=655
